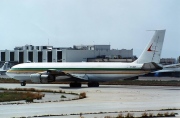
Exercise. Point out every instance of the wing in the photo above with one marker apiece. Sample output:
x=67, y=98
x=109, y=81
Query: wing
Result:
x=62, y=73
x=170, y=68
x=51, y=74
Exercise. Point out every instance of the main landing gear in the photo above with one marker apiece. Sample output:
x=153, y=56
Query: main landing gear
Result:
x=75, y=84
x=78, y=85
x=23, y=83
x=93, y=84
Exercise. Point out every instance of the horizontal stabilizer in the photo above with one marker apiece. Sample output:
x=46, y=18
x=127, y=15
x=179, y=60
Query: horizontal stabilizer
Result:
x=151, y=66
x=172, y=66
x=163, y=71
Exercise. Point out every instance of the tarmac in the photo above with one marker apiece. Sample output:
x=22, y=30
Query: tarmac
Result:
x=107, y=98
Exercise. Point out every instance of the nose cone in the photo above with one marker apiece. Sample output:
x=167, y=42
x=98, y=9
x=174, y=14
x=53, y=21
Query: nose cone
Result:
x=18, y=75
x=9, y=73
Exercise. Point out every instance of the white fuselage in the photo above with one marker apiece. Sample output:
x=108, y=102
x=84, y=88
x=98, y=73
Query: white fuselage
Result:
x=91, y=71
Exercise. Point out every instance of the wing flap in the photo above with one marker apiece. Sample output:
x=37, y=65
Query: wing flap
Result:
x=62, y=73
x=53, y=72
x=80, y=76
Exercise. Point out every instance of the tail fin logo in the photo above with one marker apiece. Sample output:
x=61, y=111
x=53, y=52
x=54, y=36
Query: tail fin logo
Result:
x=149, y=49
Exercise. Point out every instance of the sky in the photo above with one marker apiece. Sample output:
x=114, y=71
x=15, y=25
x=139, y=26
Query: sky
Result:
x=63, y=23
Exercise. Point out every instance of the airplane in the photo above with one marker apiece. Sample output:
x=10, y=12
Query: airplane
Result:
x=168, y=70
x=4, y=68
x=91, y=72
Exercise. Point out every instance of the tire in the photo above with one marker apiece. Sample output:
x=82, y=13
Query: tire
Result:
x=23, y=83
x=93, y=84
x=78, y=85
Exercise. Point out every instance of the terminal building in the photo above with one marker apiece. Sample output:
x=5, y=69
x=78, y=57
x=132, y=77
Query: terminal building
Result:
x=77, y=53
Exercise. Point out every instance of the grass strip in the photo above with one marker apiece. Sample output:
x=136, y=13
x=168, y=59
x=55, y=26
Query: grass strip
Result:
x=7, y=96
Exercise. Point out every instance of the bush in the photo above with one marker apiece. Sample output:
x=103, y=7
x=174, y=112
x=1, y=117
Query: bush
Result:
x=159, y=115
x=29, y=99
x=120, y=116
x=62, y=96
x=150, y=114
x=82, y=95
x=144, y=115
x=172, y=114
x=129, y=115
x=166, y=114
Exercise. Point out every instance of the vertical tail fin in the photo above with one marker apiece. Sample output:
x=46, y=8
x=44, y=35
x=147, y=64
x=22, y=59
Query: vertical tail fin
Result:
x=153, y=50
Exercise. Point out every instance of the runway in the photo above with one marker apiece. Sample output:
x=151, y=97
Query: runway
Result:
x=106, y=98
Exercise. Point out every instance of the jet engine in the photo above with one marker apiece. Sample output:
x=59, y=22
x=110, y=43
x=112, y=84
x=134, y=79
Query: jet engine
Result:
x=42, y=78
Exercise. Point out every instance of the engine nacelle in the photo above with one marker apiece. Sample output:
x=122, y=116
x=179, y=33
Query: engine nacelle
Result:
x=42, y=78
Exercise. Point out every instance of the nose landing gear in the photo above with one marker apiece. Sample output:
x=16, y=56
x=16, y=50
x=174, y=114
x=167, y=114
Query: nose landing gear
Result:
x=23, y=83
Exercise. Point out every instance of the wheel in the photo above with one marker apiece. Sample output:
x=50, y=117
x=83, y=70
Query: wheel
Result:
x=23, y=83
x=75, y=84
x=93, y=84
x=71, y=84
